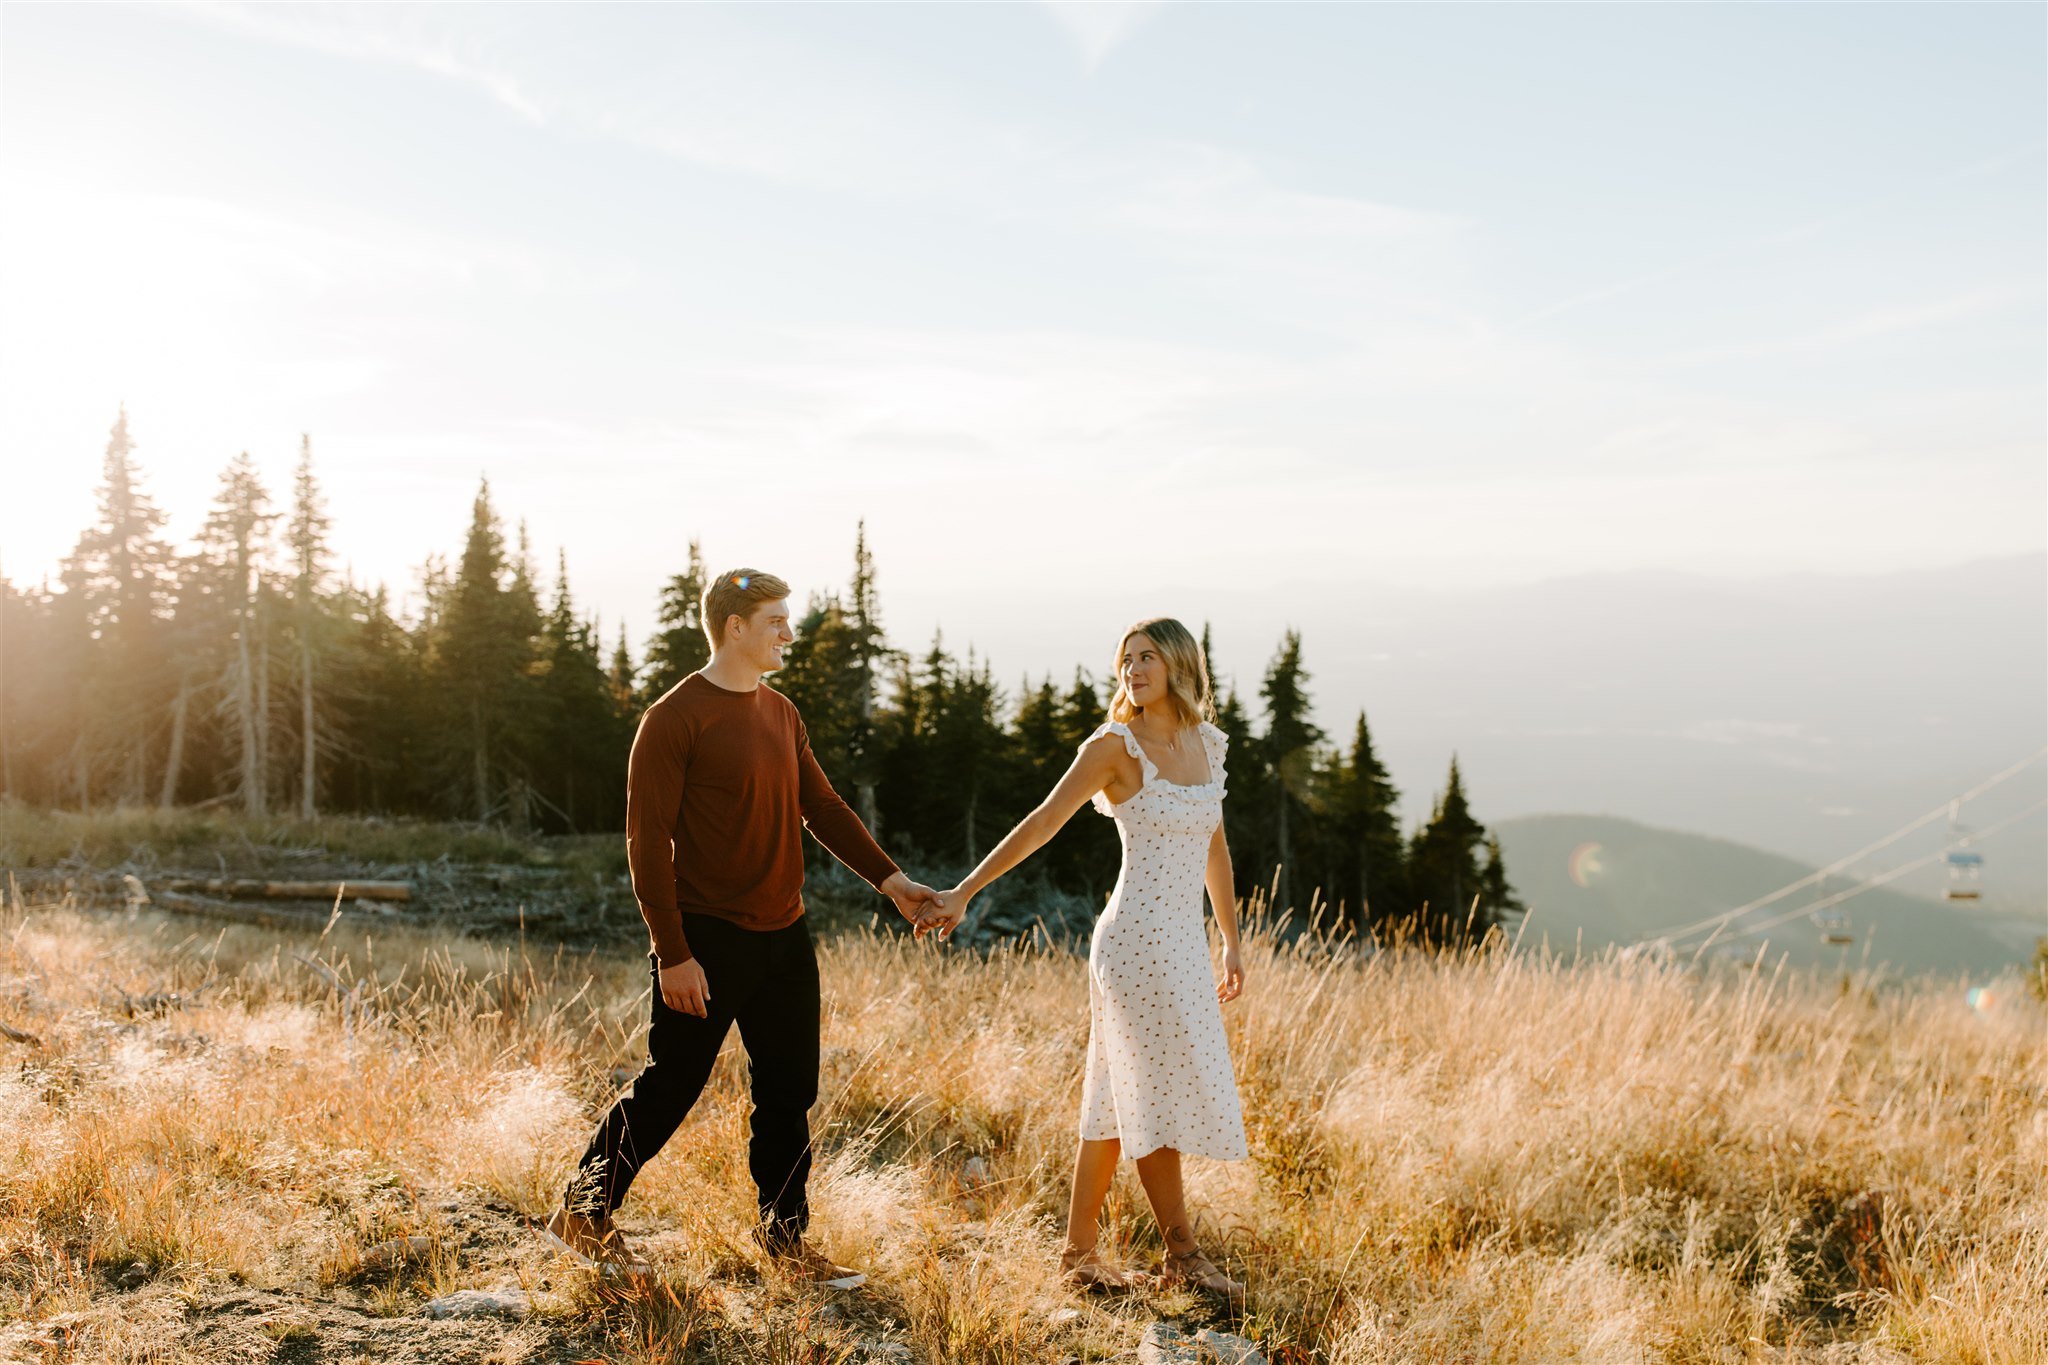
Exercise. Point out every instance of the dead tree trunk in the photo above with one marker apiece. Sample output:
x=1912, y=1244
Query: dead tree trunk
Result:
x=262, y=708
x=973, y=809
x=307, y=746
x=1283, y=890
x=174, y=762
x=245, y=714
x=480, y=760
x=6, y=753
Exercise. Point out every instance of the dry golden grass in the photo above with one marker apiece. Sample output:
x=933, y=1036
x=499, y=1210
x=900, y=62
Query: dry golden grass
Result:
x=1477, y=1157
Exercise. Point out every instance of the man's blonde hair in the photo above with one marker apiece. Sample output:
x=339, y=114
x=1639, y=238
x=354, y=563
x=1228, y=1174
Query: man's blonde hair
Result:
x=737, y=593
x=1187, y=672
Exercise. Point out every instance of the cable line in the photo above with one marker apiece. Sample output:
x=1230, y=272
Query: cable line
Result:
x=1714, y=922
x=1869, y=884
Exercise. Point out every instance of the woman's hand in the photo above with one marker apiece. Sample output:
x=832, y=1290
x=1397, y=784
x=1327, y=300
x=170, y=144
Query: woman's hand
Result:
x=945, y=920
x=1232, y=984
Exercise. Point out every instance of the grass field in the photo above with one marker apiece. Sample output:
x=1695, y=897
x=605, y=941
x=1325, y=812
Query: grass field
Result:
x=1476, y=1157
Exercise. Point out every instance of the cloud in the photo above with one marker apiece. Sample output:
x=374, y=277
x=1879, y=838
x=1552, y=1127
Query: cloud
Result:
x=1874, y=324
x=395, y=35
x=1097, y=28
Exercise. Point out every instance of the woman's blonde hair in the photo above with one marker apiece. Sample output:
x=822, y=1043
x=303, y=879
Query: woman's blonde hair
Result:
x=1187, y=672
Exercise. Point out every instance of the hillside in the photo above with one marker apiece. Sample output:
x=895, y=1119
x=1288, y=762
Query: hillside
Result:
x=243, y=1145
x=1634, y=880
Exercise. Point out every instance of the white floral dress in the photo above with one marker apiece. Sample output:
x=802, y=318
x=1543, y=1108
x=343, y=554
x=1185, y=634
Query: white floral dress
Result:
x=1158, y=1063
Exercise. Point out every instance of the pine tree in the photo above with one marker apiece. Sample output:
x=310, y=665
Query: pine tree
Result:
x=1289, y=745
x=1040, y=741
x=1087, y=852
x=390, y=713
x=483, y=646
x=678, y=647
x=1245, y=801
x=1497, y=899
x=235, y=538
x=1081, y=713
x=869, y=655
x=199, y=625
x=819, y=678
x=621, y=674
x=1369, y=862
x=1444, y=868
x=973, y=751
x=579, y=727
x=120, y=573
x=306, y=538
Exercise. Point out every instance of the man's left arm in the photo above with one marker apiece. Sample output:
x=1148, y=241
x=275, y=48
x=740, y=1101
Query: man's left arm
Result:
x=833, y=823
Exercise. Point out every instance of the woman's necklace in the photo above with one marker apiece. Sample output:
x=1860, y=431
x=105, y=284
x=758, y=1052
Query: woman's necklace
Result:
x=1174, y=744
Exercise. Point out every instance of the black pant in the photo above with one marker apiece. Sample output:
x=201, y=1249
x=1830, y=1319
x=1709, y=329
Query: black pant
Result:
x=767, y=983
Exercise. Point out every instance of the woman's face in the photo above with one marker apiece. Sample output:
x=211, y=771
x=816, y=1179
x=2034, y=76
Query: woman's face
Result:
x=1143, y=671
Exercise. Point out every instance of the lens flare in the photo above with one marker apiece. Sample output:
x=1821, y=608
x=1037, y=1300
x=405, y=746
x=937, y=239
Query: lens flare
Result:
x=1584, y=864
x=1983, y=999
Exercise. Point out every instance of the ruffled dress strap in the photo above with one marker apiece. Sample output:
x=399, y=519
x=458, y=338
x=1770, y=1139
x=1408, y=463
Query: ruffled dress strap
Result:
x=1131, y=746
x=1218, y=745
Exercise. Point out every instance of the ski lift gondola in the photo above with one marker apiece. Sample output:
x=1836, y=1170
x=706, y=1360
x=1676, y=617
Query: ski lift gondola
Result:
x=1965, y=864
x=1965, y=875
x=1833, y=926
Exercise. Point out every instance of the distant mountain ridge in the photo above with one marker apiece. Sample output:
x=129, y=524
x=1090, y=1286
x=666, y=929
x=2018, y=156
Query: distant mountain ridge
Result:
x=1595, y=880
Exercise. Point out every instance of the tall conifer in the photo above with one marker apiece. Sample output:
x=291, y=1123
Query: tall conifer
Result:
x=1289, y=744
x=121, y=573
x=677, y=648
x=306, y=539
x=236, y=536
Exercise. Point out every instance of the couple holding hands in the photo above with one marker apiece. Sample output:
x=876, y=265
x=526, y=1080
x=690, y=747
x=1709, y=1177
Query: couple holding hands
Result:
x=720, y=786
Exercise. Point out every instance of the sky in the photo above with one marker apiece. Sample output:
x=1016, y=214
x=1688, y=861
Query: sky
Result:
x=1091, y=312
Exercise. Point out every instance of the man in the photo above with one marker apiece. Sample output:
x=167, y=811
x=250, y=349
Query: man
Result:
x=719, y=786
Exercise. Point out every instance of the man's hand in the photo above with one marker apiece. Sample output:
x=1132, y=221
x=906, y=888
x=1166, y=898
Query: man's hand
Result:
x=916, y=901
x=684, y=989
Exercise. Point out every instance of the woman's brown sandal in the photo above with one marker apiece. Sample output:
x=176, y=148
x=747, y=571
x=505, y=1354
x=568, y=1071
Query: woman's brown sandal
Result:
x=1082, y=1269
x=1195, y=1271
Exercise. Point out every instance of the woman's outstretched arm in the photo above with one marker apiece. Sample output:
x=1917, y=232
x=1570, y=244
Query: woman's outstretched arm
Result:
x=1097, y=766
x=1223, y=898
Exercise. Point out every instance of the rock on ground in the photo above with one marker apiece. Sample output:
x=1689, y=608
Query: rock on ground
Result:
x=480, y=1303
x=394, y=1253
x=1165, y=1344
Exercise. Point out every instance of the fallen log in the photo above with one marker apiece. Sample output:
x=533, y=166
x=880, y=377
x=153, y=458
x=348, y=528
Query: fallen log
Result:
x=293, y=891
x=263, y=916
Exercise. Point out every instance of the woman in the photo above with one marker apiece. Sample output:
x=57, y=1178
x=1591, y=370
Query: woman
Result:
x=1159, y=1081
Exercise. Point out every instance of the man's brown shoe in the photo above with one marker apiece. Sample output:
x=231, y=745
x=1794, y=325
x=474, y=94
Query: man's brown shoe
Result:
x=797, y=1257
x=595, y=1242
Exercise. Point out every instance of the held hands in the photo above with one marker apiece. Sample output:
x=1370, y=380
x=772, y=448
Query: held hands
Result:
x=684, y=989
x=916, y=902
x=1232, y=984
x=952, y=909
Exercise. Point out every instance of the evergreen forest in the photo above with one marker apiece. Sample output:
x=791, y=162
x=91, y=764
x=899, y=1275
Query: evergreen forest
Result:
x=245, y=671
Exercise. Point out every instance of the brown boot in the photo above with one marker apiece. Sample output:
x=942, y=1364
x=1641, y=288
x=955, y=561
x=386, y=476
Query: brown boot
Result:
x=595, y=1242
x=1192, y=1270
x=794, y=1256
